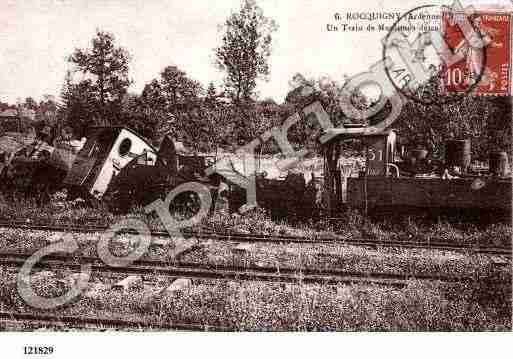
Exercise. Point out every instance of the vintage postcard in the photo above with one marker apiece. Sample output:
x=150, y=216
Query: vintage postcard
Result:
x=253, y=166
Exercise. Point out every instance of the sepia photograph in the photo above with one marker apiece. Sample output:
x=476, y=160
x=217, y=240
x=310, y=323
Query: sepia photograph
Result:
x=254, y=166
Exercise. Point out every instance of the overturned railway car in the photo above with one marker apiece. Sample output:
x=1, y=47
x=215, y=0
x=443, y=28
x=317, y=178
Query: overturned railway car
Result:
x=32, y=166
x=106, y=152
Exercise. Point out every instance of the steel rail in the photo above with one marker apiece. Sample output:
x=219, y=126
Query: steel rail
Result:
x=83, y=322
x=238, y=237
x=223, y=272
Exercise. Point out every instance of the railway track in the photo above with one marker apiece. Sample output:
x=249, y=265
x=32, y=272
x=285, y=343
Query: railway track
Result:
x=209, y=272
x=81, y=322
x=437, y=245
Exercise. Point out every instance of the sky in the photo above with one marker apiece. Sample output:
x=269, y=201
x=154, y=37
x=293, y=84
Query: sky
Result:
x=36, y=37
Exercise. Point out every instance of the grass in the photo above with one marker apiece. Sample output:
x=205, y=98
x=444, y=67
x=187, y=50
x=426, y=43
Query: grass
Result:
x=351, y=225
x=298, y=257
x=252, y=306
x=57, y=211
x=484, y=303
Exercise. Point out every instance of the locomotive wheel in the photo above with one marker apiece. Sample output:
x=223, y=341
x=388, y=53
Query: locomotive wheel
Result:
x=186, y=204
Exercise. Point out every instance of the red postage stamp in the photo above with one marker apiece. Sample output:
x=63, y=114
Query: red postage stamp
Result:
x=486, y=70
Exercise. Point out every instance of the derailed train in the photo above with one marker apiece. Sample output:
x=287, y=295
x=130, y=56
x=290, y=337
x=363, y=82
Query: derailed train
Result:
x=120, y=168
x=114, y=165
x=33, y=166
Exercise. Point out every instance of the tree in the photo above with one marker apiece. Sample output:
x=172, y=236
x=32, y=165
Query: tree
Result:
x=48, y=106
x=245, y=50
x=143, y=116
x=31, y=104
x=173, y=101
x=4, y=106
x=79, y=105
x=485, y=121
x=179, y=92
x=107, y=65
x=211, y=96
